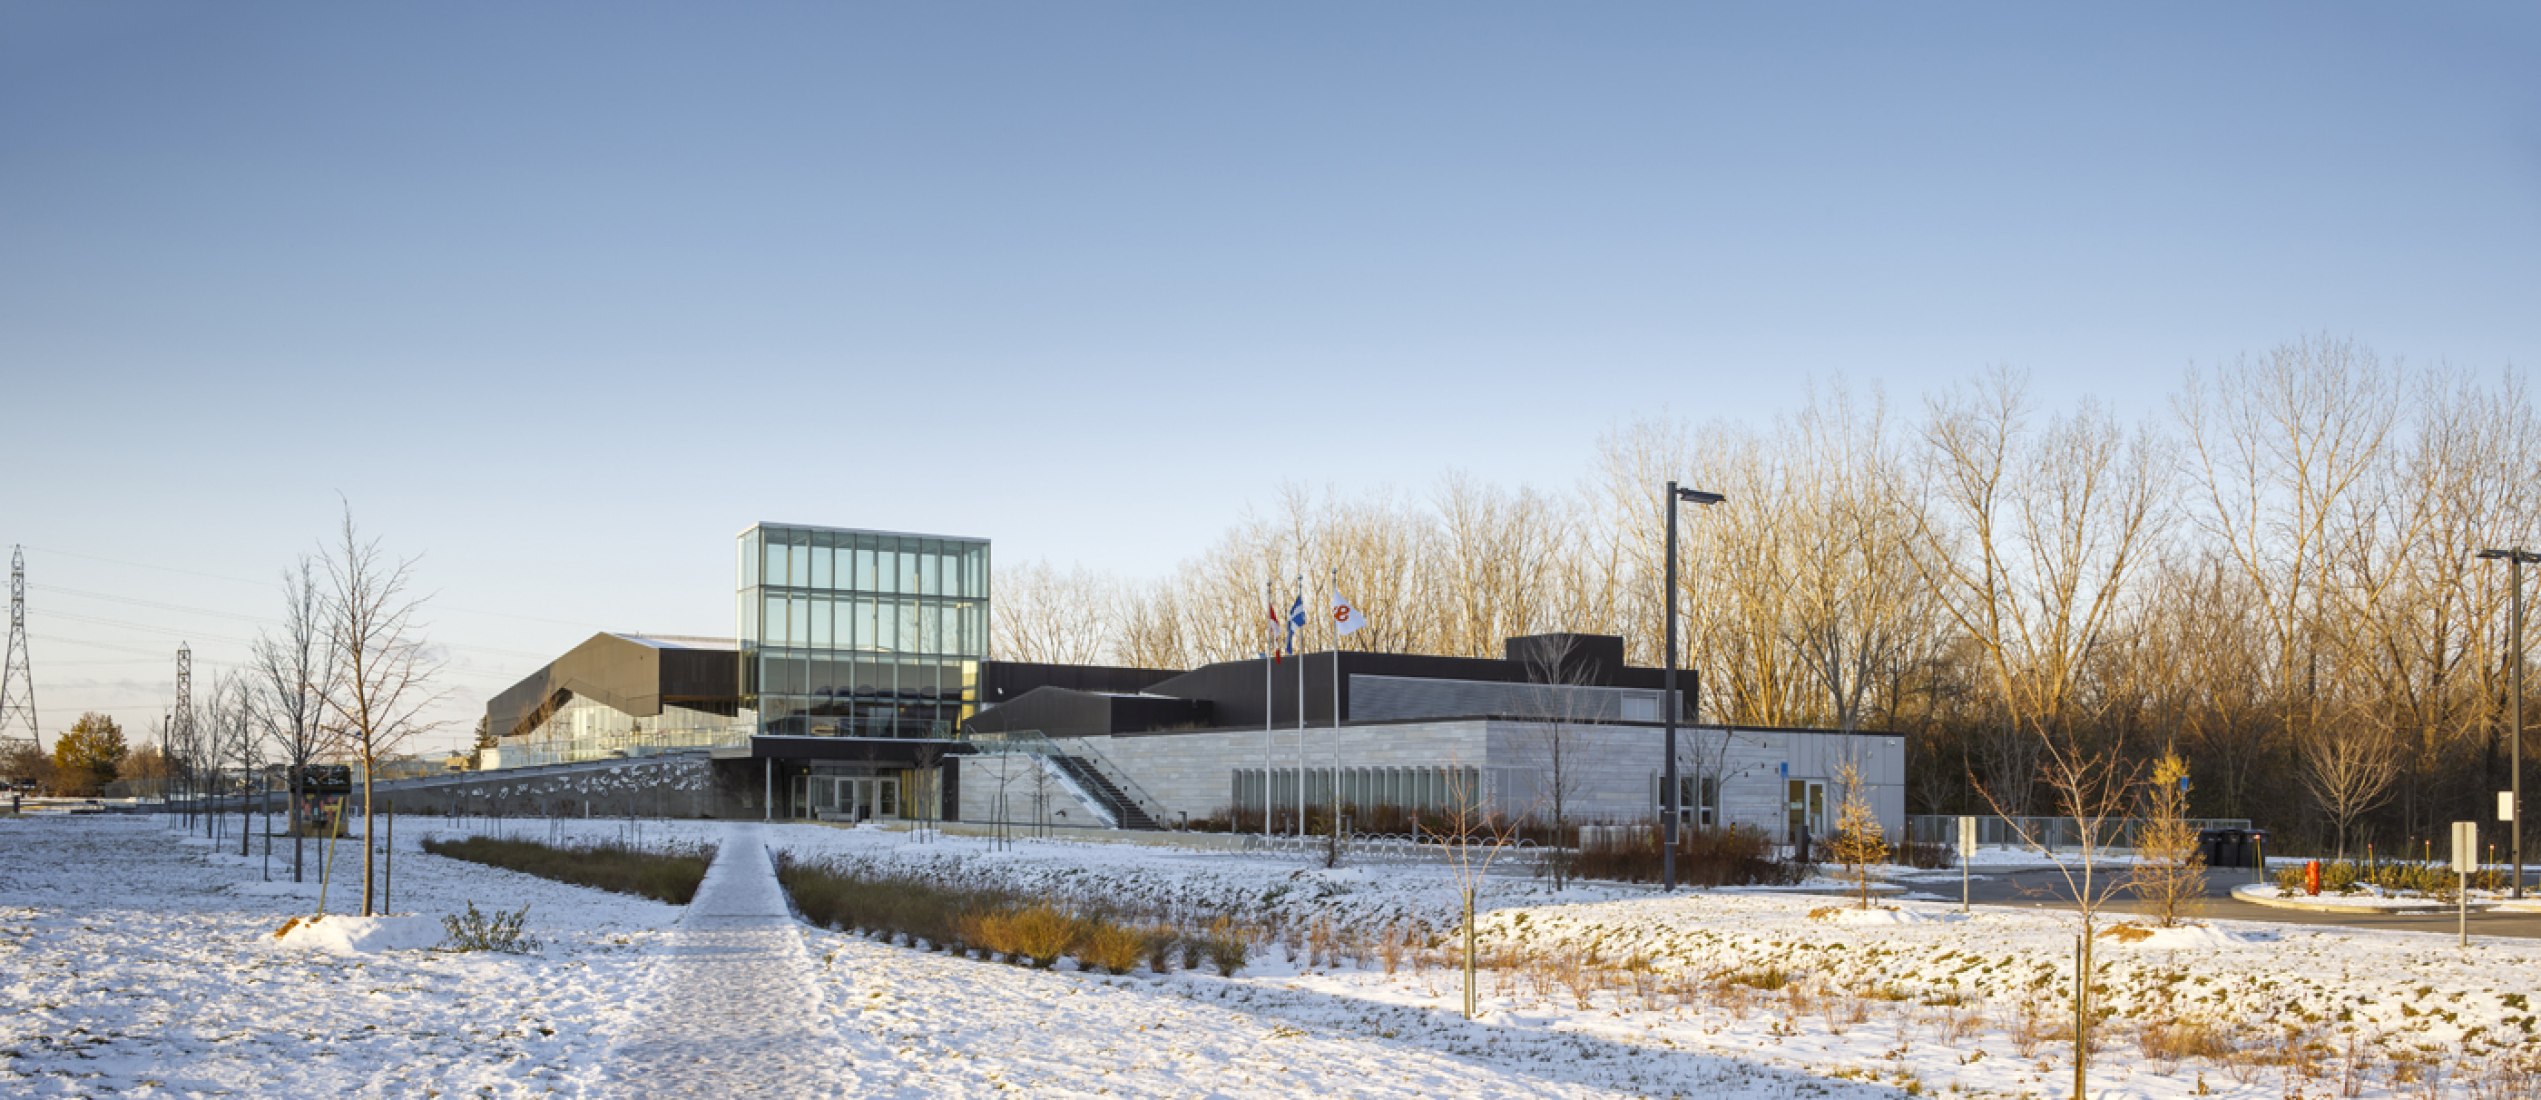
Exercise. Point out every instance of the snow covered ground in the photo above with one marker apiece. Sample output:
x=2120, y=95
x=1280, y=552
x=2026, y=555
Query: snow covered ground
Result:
x=137, y=962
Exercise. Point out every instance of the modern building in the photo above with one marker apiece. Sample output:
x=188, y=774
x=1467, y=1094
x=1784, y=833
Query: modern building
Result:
x=861, y=634
x=857, y=687
x=856, y=659
x=620, y=696
x=1560, y=722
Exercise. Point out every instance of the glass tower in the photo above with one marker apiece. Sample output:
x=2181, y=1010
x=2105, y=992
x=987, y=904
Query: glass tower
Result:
x=861, y=633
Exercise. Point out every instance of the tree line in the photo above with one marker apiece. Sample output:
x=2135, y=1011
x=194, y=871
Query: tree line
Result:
x=347, y=674
x=2274, y=575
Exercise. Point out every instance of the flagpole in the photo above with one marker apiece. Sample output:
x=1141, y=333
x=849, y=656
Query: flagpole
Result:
x=1270, y=645
x=1336, y=708
x=1299, y=608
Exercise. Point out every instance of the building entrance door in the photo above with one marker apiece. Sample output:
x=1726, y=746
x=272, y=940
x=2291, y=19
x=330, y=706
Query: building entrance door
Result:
x=877, y=798
x=853, y=798
x=1807, y=808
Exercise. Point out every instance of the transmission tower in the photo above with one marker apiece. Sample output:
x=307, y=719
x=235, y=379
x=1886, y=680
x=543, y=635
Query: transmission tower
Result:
x=17, y=682
x=180, y=742
x=185, y=695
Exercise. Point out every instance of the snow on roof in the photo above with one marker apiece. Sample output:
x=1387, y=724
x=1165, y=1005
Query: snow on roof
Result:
x=678, y=641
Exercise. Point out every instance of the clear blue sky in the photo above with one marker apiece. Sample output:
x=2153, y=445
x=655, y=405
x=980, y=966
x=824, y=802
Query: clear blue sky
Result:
x=562, y=296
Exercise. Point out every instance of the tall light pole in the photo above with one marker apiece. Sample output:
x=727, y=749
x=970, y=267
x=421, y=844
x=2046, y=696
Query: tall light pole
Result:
x=2515, y=559
x=1668, y=786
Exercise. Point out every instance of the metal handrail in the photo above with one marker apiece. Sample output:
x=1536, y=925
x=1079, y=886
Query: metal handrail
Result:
x=1037, y=743
x=1120, y=780
x=1043, y=751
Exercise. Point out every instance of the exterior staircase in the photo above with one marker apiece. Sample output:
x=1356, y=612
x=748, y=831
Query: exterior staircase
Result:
x=1125, y=811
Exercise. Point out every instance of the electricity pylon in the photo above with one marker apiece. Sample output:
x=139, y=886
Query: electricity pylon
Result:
x=17, y=682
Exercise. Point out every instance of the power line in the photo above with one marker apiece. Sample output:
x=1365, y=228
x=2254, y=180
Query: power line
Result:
x=154, y=604
x=577, y=624
x=159, y=658
x=189, y=634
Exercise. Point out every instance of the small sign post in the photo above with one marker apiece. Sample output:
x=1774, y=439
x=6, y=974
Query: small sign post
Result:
x=1967, y=850
x=2514, y=833
x=2465, y=859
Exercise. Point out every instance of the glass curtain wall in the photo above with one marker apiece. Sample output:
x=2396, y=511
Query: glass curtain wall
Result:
x=861, y=633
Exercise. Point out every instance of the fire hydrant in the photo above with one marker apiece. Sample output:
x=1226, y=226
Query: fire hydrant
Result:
x=2311, y=877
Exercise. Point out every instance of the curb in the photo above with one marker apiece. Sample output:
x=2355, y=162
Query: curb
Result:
x=2242, y=894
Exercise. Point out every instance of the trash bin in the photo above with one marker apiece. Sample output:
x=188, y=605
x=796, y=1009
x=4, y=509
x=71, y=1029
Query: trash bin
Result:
x=2210, y=846
x=2235, y=848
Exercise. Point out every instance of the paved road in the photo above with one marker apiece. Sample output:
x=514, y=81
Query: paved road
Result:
x=2045, y=888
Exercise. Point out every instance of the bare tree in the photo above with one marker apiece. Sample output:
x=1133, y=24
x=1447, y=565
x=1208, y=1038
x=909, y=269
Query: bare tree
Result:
x=2280, y=444
x=384, y=686
x=216, y=725
x=2348, y=767
x=295, y=668
x=1557, y=708
x=2093, y=786
x=1048, y=616
x=1854, y=608
x=1475, y=835
x=2028, y=540
x=239, y=734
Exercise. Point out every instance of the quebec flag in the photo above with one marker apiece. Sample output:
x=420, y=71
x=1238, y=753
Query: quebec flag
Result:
x=1346, y=619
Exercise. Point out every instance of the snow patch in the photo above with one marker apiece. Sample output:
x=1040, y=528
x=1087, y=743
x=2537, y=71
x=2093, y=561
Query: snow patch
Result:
x=2204, y=936
x=1339, y=876
x=1881, y=915
x=342, y=935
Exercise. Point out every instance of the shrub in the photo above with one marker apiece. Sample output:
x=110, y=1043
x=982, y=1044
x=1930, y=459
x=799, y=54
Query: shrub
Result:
x=1736, y=856
x=1923, y=855
x=913, y=907
x=2347, y=877
x=1767, y=978
x=988, y=931
x=477, y=931
x=964, y=911
x=669, y=874
x=1113, y=947
x=1227, y=950
x=1162, y=943
x=1042, y=933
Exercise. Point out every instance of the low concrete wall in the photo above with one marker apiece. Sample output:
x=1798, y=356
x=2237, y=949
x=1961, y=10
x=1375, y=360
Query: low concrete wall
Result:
x=681, y=785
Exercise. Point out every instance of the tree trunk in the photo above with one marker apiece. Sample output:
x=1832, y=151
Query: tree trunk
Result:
x=298, y=826
x=2082, y=1012
x=1469, y=951
x=366, y=834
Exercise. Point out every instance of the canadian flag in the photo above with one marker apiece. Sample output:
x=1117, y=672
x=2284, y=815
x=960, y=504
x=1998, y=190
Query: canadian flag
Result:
x=1346, y=619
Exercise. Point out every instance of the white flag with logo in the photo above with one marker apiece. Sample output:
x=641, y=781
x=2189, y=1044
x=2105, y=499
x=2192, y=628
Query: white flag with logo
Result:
x=1345, y=618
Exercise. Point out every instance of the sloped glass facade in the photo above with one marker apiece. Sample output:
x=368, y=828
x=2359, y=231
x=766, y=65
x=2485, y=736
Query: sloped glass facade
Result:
x=850, y=633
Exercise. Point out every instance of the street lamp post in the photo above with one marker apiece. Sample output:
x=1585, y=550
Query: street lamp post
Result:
x=2515, y=559
x=1668, y=787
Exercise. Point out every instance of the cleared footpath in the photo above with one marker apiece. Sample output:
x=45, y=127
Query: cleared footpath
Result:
x=731, y=1009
